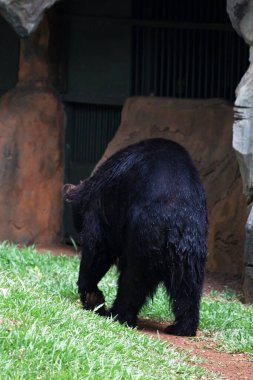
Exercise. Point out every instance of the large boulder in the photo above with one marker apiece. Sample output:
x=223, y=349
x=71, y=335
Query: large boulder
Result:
x=204, y=128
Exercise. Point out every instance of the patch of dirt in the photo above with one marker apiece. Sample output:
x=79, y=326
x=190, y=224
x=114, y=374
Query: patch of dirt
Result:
x=229, y=366
x=57, y=250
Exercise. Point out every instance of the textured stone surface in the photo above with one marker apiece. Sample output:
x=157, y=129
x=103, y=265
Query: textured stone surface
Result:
x=249, y=239
x=243, y=145
x=248, y=284
x=24, y=15
x=204, y=128
x=31, y=149
x=241, y=16
x=243, y=130
x=31, y=171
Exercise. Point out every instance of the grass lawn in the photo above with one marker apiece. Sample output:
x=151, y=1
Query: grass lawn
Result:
x=44, y=333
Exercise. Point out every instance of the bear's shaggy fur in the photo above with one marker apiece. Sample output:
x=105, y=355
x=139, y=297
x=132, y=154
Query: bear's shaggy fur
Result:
x=145, y=209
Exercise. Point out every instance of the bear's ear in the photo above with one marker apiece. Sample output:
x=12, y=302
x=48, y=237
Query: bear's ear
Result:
x=67, y=191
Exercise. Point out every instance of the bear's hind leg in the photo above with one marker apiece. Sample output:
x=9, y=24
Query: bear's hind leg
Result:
x=185, y=293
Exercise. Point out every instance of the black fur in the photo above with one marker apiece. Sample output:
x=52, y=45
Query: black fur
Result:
x=145, y=208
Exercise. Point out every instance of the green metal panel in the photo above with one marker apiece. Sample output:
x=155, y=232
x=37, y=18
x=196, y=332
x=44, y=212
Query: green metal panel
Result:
x=98, y=48
x=101, y=8
x=90, y=128
x=98, y=61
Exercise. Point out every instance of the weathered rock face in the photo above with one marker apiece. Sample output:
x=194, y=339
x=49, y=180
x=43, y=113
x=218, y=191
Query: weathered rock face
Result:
x=31, y=171
x=241, y=15
x=24, y=15
x=243, y=145
x=31, y=149
x=243, y=131
x=204, y=128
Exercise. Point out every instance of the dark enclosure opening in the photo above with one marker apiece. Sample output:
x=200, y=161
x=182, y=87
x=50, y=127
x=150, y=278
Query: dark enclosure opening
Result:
x=185, y=49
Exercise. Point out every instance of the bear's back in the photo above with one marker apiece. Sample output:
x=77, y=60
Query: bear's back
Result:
x=151, y=168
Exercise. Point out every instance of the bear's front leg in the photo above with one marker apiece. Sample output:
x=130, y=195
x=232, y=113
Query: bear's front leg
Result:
x=93, y=267
x=94, y=300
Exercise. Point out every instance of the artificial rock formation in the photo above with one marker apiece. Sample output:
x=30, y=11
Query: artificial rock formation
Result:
x=24, y=15
x=241, y=15
x=31, y=149
x=204, y=128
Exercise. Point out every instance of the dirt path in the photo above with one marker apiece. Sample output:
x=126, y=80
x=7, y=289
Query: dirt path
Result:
x=229, y=366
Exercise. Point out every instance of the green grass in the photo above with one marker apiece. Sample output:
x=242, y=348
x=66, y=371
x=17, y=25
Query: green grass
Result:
x=44, y=333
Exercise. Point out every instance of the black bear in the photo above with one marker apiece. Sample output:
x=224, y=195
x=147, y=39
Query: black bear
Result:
x=144, y=208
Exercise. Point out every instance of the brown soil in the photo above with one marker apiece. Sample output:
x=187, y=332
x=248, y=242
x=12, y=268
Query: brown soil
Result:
x=228, y=366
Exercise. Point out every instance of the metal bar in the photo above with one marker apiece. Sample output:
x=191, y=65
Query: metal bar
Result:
x=200, y=65
x=187, y=63
x=219, y=54
x=180, y=63
x=226, y=65
x=175, y=61
x=152, y=23
x=212, y=60
x=207, y=63
x=169, y=66
x=163, y=63
x=193, y=64
x=157, y=63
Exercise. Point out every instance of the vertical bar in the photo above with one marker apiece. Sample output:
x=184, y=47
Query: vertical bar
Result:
x=181, y=62
x=219, y=59
x=187, y=62
x=169, y=66
x=162, y=77
x=212, y=60
x=226, y=64
x=207, y=64
x=175, y=62
x=157, y=62
x=232, y=67
x=193, y=84
x=200, y=63
x=143, y=58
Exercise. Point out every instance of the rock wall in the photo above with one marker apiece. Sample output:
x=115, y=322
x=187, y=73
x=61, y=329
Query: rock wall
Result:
x=31, y=171
x=204, y=128
x=31, y=149
x=241, y=15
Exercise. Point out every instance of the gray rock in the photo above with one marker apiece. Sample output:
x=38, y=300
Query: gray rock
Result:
x=243, y=145
x=248, y=285
x=249, y=239
x=243, y=130
x=24, y=15
x=241, y=16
